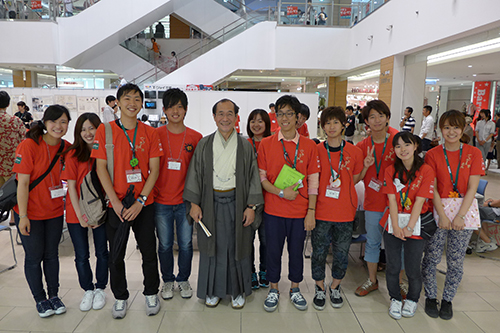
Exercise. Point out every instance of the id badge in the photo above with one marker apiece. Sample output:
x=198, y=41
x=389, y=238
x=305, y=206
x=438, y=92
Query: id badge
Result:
x=375, y=184
x=134, y=176
x=174, y=165
x=56, y=192
x=332, y=192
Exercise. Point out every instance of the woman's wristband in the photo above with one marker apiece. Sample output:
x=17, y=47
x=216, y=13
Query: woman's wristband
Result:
x=23, y=216
x=141, y=202
x=461, y=216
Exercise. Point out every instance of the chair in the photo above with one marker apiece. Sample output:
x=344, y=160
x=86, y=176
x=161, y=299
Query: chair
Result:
x=6, y=228
x=360, y=230
x=481, y=188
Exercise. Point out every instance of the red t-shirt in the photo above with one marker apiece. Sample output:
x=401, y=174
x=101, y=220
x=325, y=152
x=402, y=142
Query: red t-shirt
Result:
x=34, y=159
x=257, y=145
x=147, y=145
x=421, y=186
x=471, y=164
x=170, y=184
x=74, y=170
x=376, y=201
x=303, y=130
x=342, y=209
x=271, y=159
x=275, y=128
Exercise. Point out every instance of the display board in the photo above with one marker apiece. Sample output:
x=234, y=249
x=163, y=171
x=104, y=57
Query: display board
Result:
x=88, y=104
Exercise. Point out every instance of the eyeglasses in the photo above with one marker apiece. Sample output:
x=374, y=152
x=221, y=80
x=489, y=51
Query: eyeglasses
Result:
x=287, y=114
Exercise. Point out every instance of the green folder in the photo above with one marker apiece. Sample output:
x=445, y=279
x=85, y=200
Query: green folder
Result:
x=288, y=177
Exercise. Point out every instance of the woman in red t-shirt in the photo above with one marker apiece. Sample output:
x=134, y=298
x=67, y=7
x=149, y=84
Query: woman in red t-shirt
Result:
x=39, y=213
x=408, y=183
x=259, y=127
x=458, y=168
x=78, y=165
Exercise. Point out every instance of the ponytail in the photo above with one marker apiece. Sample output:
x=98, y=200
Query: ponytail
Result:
x=53, y=112
x=36, y=131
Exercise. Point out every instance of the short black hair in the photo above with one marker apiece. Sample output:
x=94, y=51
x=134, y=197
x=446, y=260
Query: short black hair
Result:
x=333, y=112
x=173, y=96
x=236, y=107
x=410, y=109
x=304, y=110
x=289, y=100
x=377, y=105
x=271, y=105
x=428, y=108
x=4, y=99
x=110, y=98
x=349, y=107
x=144, y=117
x=127, y=88
x=487, y=113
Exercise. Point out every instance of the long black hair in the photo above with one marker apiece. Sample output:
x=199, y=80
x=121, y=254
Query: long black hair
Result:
x=82, y=151
x=400, y=170
x=53, y=112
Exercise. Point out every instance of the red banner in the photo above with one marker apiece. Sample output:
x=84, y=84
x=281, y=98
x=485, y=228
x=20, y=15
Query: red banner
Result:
x=345, y=12
x=481, y=94
x=36, y=6
x=292, y=11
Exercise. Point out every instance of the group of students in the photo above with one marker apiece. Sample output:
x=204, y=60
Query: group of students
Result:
x=147, y=195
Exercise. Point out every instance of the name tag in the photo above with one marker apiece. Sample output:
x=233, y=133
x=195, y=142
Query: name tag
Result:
x=56, y=192
x=134, y=176
x=332, y=192
x=375, y=184
x=173, y=165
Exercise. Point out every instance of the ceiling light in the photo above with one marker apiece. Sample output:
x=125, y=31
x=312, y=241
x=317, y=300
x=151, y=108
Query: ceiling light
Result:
x=321, y=85
x=485, y=47
x=299, y=88
x=364, y=76
x=470, y=66
x=474, y=74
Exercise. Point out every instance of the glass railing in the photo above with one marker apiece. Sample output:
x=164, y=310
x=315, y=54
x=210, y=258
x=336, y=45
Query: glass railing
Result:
x=36, y=10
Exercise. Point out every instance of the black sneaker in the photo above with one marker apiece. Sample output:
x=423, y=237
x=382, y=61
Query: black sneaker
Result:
x=319, y=298
x=335, y=299
x=44, y=309
x=57, y=305
x=431, y=307
x=446, y=311
x=263, y=280
x=255, y=281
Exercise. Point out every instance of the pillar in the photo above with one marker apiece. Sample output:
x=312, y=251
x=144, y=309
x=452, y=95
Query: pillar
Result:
x=337, y=91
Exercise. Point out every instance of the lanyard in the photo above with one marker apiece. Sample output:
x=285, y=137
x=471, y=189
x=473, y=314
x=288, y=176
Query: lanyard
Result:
x=378, y=165
x=254, y=147
x=182, y=145
x=330, y=159
x=134, y=161
x=405, y=198
x=287, y=157
x=454, y=182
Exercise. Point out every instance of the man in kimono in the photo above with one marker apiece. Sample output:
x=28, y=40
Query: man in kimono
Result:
x=223, y=191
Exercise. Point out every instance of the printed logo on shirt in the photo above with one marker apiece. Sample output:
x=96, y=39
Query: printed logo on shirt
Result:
x=95, y=146
x=390, y=156
x=18, y=160
x=189, y=147
x=468, y=162
x=416, y=185
x=345, y=164
x=142, y=142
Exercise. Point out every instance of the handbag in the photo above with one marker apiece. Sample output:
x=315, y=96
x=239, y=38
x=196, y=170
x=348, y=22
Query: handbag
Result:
x=8, y=191
x=428, y=225
x=451, y=207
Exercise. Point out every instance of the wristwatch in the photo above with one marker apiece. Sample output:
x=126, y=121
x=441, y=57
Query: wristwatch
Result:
x=489, y=203
x=282, y=194
x=254, y=207
x=409, y=229
x=143, y=197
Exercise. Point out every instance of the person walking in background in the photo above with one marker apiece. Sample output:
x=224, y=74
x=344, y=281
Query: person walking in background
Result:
x=350, y=125
x=24, y=114
x=78, y=164
x=407, y=121
x=485, y=131
x=109, y=111
x=427, y=128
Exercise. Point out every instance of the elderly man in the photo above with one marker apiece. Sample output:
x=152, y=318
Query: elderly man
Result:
x=223, y=191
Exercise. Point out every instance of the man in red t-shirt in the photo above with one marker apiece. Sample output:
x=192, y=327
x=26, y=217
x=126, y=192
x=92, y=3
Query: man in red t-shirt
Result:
x=136, y=165
x=179, y=143
x=288, y=212
x=379, y=154
x=303, y=116
x=274, y=122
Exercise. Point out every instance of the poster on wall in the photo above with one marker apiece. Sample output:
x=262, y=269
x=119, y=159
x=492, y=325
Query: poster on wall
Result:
x=36, y=6
x=40, y=104
x=292, y=11
x=88, y=104
x=345, y=12
x=68, y=101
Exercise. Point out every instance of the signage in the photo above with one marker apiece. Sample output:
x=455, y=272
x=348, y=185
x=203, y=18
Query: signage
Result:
x=36, y=6
x=292, y=11
x=345, y=12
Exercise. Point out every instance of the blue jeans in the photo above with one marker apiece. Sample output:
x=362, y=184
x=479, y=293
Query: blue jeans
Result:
x=373, y=235
x=164, y=218
x=42, y=245
x=80, y=239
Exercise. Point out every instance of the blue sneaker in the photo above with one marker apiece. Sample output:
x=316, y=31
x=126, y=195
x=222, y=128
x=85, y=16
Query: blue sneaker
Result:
x=297, y=299
x=272, y=299
x=255, y=281
x=263, y=280
x=57, y=305
x=44, y=309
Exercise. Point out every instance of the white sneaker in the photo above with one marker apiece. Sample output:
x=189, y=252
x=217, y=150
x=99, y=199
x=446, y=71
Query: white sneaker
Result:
x=167, y=292
x=482, y=246
x=152, y=305
x=99, y=299
x=185, y=289
x=409, y=308
x=395, y=309
x=119, y=310
x=212, y=302
x=87, y=299
x=238, y=302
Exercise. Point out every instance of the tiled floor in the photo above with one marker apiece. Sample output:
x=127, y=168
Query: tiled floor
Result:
x=477, y=305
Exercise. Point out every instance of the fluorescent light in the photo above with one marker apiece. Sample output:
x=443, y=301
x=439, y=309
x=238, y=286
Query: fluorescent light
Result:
x=364, y=76
x=485, y=47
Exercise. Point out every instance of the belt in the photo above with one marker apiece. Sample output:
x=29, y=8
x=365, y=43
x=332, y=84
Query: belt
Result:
x=224, y=191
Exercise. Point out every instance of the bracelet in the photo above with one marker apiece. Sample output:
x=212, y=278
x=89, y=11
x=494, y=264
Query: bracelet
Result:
x=311, y=208
x=23, y=216
x=141, y=202
x=461, y=216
